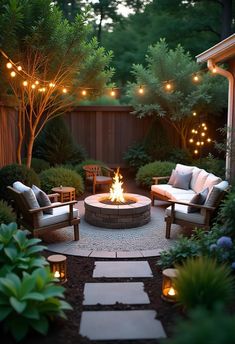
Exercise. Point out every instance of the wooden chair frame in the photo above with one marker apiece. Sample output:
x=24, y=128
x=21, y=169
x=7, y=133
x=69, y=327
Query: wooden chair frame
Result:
x=29, y=217
x=94, y=171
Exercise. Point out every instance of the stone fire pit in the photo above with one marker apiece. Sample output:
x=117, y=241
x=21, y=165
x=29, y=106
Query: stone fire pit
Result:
x=120, y=216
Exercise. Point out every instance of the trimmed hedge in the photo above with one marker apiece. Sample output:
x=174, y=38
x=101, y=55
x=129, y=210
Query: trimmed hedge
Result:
x=57, y=176
x=12, y=173
x=154, y=169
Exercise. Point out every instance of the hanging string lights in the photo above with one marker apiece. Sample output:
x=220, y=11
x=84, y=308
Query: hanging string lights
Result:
x=199, y=137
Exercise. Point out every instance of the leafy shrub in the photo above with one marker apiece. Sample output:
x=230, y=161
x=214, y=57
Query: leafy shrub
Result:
x=212, y=165
x=11, y=173
x=56, y=145
x=181, y=156
x=6, y=213
x=104, y=100
x=154, y=169
x=28, y=296
x=136, y=156
x=79, y=168
x=57, y=176
x=226, y=212
x=203, y=282
x=30, y=302
x=205, y=327
x=38, y=165
x=17, y=252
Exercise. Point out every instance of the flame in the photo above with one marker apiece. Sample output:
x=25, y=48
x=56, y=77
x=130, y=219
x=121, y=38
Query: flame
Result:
x=116, y=190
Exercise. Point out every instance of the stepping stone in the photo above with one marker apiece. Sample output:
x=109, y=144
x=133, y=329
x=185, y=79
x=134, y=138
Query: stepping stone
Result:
x=110, y=293
x=122, y=269
x=121, y=325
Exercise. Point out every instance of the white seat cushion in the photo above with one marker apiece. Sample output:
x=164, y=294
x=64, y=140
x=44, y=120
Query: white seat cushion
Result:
x=100, y=179
x=184, y=168
x=181, y=213
x=161, y=189
x=60, y=214
x=170, y=192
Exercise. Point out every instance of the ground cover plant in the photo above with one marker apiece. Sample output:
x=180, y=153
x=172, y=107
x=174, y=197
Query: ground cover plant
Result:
x=7, y=214
x=29, y=297
x=57, y=176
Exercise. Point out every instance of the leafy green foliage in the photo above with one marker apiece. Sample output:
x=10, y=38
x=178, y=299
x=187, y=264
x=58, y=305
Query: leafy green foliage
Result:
x=103, y=100
x=203, y=282
x=212, y=165
x=204, y=327
x=28, y=296
x=6, y=213
x=38, y=165
x=226, y=212
x=57, y=176
x=154, y=169
x=56, y=145
x=17, y=252
x=29, y=302
x=181, y=156
x=175, y=106
x=12, y=173
x=136, y=156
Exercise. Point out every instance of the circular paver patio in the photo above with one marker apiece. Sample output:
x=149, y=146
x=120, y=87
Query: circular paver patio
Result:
x=145, y=241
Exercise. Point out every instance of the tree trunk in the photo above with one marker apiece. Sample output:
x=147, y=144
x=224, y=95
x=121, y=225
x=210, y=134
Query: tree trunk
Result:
x=20, y=137
x=30, y=150
x=226, y=18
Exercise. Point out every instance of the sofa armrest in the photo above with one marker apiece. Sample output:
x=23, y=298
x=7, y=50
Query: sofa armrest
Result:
x=156, y=179
x=199, y=206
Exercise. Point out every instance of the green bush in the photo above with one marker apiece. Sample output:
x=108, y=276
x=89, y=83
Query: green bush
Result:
x=154, y=169
x=56, y=145
x=11, y=173
x=79, y=168
x=57, y=176
x=181, y=156
x=212, y=165
x=136, y=156
x=38, y=165
x=226, y=212
x=6, y=213
x=17, y=252
x=30, y=302
x=203, y=282
x=29, y=298
x=204, y=327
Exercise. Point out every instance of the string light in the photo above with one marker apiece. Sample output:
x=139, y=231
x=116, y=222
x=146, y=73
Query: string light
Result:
x=84, y=92
x=36, y=82
x=141, y=90
x=194, y=113
x=112, y=93
x=168, y=86
x=9, y=65
x=19, y=68
x=25, y=83
x=195, y=151
x=51, y=84
x=33, y=86
x=13, y=74
x=195, y=78
x=64, y=90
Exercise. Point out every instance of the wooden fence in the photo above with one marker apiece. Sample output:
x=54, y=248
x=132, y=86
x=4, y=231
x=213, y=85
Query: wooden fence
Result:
x=8, y=135
x=106, y=132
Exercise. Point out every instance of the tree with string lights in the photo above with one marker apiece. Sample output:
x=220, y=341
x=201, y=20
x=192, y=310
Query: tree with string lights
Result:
x=173, y=87
x=45, y=63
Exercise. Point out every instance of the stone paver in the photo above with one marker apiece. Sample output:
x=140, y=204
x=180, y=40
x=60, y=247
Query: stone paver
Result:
x=110, y=293
x=121, y=325
x=74, y=251
x=122, y=269
x=103, y=254
x=129, y=254
x=151, y=253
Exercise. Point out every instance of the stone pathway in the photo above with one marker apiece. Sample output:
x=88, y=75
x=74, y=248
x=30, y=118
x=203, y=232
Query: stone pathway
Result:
x=132, y=324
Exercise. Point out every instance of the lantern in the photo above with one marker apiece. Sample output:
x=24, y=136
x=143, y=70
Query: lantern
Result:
x=169, y=292
x=58, y=266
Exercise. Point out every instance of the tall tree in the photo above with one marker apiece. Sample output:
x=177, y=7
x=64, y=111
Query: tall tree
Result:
x=49, y=58
x=170, y=92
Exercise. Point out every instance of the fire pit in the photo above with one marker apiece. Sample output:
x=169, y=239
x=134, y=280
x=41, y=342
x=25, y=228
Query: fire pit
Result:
x=117, y=209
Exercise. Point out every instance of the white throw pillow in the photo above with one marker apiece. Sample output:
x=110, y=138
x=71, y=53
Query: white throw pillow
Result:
x=200, y=181
x=211, y=180
x=184, y=168
x=196, y=172
x=28, y=194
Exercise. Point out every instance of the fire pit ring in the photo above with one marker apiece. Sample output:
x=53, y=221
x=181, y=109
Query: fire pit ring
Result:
x=117, y=216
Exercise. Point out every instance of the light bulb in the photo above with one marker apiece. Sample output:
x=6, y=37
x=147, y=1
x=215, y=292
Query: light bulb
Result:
x=208, y=140
x=43, y=89
x=37, y=82
x=196, y=78
x=84, y=92
x=198, y=143
x=9, y=65
x=25, y=83
x=205, y=128
x=51, y=84
x=13, y=74
x=141, y=90
x=64, y=90
x=203, y=124
x=193, y=131
x=203, y=134
x=202, y=143
x=168, y=86
x=194, y=114
x=19, y=68
x=112, y=93
x=191, y=140
x=195, y=151
x=33, y=86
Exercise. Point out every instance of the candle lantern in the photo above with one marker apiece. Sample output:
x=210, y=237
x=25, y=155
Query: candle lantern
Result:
x=58, y=266
x=169, y=292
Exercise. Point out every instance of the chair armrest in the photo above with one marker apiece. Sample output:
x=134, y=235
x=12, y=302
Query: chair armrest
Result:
x=156, y=179
x=107, y=168
x=36, y=210
x=199, y=206
x=53, y=196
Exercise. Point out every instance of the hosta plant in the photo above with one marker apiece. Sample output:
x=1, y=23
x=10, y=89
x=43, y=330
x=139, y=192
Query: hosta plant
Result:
x=18, y=253
x=30, y=302
x=203, y=282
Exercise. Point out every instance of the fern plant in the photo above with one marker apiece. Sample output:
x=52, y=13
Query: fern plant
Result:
x=203, y=282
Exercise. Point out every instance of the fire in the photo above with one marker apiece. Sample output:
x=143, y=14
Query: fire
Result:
x=116, y=190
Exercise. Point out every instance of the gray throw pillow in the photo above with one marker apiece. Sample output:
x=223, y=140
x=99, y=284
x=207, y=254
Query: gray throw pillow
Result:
x=182, y=181
x=199, y=198
x=172, y=177
x=42, y=199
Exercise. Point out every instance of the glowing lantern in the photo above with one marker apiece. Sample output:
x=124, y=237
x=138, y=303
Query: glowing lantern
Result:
x=169, y=293
x=58, y=266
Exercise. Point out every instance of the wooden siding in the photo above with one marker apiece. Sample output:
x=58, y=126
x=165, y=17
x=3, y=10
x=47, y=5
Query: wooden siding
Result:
x=8, y=135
